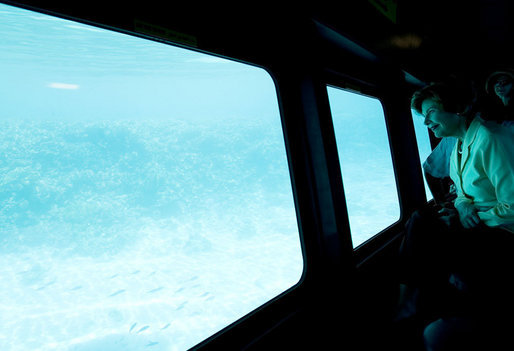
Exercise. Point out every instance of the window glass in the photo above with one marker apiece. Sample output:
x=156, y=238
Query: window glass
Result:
x=366, y=164
x=424, y=148
x=145, y=196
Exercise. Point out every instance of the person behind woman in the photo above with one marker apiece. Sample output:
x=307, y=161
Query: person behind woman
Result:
x=437, y=170
x=454, y=245
x=499, y=86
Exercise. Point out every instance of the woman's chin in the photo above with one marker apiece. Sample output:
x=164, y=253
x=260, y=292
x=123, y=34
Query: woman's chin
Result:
x=438, y=134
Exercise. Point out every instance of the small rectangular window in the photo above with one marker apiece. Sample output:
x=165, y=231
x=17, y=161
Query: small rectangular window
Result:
x=424, y=147
x=145, y=195
x=366, y=163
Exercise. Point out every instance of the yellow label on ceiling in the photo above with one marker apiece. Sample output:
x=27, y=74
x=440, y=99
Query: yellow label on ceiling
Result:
x=387, y=7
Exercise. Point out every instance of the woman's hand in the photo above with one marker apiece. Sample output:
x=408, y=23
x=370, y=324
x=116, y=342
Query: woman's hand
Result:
x=468, y=215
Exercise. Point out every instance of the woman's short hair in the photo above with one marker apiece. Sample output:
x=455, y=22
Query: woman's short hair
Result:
x=456, y=96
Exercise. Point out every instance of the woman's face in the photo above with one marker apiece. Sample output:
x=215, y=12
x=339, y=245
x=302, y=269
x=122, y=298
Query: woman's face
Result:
x=503, y=86
x=442, y=123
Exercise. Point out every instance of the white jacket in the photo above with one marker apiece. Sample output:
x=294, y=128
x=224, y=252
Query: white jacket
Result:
x=484, y=173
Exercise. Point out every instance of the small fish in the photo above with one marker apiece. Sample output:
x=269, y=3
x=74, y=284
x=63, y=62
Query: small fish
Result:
x=181, y=306
x=155, y=290
x=114, y=276
x=136, y=272
x=46, y=285
x=76, y=287
x=205, y=294
x=166, y=326
x=152, y=343
x=132, y=327
x=143, y=329
x=117, y=292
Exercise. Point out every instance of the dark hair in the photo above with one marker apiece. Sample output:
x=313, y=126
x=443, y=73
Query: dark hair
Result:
x=454, y=95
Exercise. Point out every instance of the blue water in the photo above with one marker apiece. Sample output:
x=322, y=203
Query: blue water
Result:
x=145, y=197
x=366, y=163
x=104, y=225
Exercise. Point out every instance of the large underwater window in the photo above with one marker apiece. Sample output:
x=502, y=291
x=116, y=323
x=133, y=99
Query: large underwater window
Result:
x=145, y=196
x=366, y=164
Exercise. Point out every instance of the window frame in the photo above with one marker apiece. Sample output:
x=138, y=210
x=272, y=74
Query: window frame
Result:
x=353, y=90
x=384, y=237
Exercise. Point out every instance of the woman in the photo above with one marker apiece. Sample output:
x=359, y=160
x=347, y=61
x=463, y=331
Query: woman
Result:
x=481, y=163
x=447, y=249
x=499, y=87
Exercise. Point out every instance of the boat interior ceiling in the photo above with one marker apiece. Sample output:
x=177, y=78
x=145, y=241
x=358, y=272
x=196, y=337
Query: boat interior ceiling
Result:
x=429, y=39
